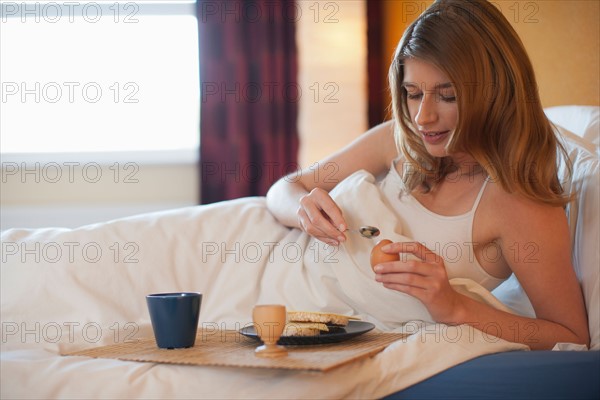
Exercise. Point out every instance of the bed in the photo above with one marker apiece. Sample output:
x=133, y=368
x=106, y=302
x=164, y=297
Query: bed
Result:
x=64, y=290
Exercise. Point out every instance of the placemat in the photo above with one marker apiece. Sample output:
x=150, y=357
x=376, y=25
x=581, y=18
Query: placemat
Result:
x=231, y=349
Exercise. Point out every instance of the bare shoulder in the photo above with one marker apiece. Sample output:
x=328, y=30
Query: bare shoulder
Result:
x=372, y=151
x=517, y=210
x=383, y=141
x=526, y=227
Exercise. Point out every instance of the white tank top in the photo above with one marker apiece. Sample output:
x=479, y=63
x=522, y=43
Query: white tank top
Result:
x=448, y=236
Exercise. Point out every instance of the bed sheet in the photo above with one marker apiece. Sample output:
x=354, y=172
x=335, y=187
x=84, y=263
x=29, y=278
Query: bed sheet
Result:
x=64, y=290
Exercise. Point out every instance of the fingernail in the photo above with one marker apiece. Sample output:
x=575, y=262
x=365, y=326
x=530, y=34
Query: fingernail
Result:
x=341, y=238
x=386, y=247
x=378, y=268
x=342, y=227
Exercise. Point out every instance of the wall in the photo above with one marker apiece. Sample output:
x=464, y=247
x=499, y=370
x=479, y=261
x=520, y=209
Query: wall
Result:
x=332, y=45
x=561, y=36
x=563, y=41
x=90, y=189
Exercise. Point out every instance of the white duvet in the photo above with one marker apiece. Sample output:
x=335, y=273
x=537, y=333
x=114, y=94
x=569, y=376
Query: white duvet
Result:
x=68, y=289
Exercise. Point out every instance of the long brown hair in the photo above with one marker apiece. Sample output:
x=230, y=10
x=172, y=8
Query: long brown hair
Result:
x=501, y=122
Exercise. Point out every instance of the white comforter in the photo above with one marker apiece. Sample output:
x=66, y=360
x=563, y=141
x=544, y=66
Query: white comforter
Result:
x=69, y=289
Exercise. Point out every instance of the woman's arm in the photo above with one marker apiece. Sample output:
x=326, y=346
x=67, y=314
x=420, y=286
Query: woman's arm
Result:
x=301, y=200
x=546, y=275
x=537, y=247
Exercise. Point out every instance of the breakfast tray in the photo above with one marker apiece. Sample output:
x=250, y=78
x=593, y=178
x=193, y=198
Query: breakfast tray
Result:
x=231, y=349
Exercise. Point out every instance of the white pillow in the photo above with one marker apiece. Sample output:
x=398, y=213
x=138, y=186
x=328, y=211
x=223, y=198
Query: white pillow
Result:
x=584, y=121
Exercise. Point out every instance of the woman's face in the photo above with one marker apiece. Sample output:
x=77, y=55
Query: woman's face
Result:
x=432, y=104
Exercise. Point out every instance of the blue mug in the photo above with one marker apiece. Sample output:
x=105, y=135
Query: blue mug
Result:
x=174, y=318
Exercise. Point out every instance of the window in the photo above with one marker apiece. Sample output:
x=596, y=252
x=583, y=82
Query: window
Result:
x=104, y=76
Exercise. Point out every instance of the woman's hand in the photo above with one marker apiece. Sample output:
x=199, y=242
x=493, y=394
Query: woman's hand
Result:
x=320, y=217
x=424, y=277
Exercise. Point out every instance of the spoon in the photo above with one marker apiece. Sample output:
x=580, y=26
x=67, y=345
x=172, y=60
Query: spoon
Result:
x=368, y=232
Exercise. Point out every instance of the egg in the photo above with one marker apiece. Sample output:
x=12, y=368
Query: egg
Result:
x=378, y=256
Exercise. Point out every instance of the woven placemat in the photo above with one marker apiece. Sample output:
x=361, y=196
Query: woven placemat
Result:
x=231, y=349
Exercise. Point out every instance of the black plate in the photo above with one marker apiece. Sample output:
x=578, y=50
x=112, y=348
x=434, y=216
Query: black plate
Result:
x=335, y=335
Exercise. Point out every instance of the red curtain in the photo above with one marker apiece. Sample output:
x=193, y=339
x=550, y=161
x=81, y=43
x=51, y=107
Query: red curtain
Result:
x=377, y=76
x=249, y=96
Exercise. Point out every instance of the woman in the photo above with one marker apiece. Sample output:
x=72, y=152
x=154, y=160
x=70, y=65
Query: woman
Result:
x=474, y=162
